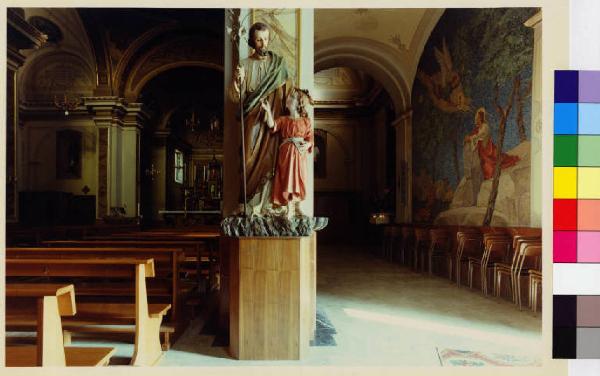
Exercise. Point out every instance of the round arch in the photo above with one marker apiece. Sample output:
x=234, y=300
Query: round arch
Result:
x=370, y=57
x=135, y=91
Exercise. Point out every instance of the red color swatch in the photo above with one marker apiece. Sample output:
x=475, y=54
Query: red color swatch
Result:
x=565, y=214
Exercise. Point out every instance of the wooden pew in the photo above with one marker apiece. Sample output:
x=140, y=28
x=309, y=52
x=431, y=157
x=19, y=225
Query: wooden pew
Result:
x=45, y=304
x=166, y=286
x=194, y=252
x=169, y=259
x=146, y=317
x=17, y=235
x=206, y=241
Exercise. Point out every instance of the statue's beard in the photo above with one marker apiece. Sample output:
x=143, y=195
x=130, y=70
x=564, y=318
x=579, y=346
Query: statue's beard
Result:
x=262, y=51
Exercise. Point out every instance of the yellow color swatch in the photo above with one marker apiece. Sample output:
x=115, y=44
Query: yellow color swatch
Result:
x=565, y=182
x=589, y=182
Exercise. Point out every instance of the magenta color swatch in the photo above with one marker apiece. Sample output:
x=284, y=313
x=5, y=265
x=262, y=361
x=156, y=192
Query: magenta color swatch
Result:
x=587, y=246
x=565, y=246
x=589, y=87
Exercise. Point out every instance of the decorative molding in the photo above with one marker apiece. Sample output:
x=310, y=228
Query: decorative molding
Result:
x=21, y=34
x=54, y=73
x=400, y=120
x=534, y=21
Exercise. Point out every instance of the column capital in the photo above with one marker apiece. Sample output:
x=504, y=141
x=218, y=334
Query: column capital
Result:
x=136, y=116
x=106, y=111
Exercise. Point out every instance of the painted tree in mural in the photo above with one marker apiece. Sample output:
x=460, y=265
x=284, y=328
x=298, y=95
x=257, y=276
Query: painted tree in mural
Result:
x=504, y=55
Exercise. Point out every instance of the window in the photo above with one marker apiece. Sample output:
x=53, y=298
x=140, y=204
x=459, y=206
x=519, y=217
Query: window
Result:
x=179, y=166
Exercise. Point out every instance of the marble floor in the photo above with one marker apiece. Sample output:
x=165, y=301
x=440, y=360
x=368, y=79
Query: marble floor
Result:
x=386, y=315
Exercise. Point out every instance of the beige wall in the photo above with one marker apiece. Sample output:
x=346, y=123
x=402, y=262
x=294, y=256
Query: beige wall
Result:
x=355, y=153
x=39, y=157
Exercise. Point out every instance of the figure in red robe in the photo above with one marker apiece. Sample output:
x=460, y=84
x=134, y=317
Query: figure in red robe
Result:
x=296, y=134
x=481, y=139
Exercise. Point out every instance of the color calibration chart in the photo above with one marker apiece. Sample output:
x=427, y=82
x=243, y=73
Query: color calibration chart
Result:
x=576, y=286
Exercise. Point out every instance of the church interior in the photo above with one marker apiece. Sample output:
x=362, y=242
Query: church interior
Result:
x=123, y=157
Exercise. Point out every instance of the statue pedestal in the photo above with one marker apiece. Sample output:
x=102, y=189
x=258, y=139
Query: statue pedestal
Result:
x=272, y=296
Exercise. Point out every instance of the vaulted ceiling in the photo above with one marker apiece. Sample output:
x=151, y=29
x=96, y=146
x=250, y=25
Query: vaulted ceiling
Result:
x=386, y=44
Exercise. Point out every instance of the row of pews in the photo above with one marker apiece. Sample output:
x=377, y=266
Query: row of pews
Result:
x=503, y=261
x=142, y=284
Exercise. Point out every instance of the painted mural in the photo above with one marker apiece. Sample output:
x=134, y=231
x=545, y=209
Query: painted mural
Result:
x=472, y=119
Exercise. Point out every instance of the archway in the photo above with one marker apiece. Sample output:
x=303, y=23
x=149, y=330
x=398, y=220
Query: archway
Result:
x=174, y=98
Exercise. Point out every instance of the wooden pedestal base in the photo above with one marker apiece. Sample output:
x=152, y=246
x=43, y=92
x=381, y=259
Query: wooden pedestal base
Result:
x=271, y=297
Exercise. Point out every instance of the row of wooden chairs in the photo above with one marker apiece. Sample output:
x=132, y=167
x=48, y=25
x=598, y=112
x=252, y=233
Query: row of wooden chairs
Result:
x=499, y=254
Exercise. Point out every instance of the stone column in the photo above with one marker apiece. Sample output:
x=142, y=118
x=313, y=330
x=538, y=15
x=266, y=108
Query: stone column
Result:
x=108, y=113
x=159, y=179
x=129, y=182
x=306, y=80
x=535, y=23
x=403, y=126
x=20, y=36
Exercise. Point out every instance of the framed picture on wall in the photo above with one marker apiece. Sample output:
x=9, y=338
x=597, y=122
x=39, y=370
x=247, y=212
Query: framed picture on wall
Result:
x=68, y=154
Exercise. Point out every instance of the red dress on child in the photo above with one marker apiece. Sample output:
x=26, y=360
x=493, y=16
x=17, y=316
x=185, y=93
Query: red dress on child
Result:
x=290, y=172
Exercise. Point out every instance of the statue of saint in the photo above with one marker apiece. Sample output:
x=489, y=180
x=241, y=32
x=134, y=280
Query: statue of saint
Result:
x=289, y=188
x=259, y=78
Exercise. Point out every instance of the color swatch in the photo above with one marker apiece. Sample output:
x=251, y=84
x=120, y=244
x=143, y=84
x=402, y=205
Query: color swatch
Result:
x=576, y=238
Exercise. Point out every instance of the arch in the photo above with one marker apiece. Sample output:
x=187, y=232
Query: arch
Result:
x=135, y=47
x=372, y=57
x=55, y=71
x=172, y=53
x=135, y=91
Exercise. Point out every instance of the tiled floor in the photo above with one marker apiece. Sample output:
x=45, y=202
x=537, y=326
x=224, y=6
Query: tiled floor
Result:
x=387, y=315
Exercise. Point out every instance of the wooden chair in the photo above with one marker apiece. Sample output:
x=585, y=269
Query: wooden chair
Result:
x=146, y=317
x=45, y=304
x=507, y=268
x=532, y=251
x=392, y=234
x=535, y=284
x=495, y=249
x=408, y=236
x=420, y=248
x=438, y=246
x=469, y=244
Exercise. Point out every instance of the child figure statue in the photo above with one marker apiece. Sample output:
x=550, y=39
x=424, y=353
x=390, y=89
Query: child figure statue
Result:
x=289, y=185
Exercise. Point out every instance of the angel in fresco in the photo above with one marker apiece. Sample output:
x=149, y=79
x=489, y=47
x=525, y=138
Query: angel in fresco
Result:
x=295, y=129
x=445, y=87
